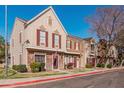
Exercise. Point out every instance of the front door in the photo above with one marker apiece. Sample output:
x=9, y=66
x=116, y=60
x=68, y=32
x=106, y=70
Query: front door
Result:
x=55, y=62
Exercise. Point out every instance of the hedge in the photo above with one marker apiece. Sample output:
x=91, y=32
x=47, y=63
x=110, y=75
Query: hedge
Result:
x=88, y=65
x=37, y=66
x=20, y=68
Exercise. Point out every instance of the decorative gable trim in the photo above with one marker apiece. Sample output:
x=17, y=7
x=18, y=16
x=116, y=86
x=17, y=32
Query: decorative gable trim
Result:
x=43, y=12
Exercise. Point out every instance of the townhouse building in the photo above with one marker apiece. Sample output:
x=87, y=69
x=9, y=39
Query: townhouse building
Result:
x=44, y=39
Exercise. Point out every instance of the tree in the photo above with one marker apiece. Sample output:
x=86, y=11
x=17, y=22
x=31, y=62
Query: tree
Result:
x=119, y=41
x=2, y=49
x=107, y=22
x=101, y=50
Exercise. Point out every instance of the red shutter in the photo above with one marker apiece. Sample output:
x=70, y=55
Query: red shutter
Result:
x=75, y=45
x=70, y=44
x=52, y=40
x=46, y=39
x=59, y=41
x=78, y=45
x=38, y=37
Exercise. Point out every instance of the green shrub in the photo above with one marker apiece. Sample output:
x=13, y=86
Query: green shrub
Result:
x=20, y=68
x=109, y=66
x=98, y=65
x=89, y=66
x=37, y=67
x=102, y=65
x=42, y=68
x=70, y=65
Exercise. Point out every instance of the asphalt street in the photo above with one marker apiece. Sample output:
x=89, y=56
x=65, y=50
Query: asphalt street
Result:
x=113, y=79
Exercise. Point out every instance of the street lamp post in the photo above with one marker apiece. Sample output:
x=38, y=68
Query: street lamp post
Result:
x=6, y=43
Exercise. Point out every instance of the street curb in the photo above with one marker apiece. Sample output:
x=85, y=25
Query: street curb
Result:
x=57, y=78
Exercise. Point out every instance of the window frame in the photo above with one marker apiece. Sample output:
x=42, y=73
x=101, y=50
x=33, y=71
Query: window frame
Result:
x=42, y=39
x=68, y=44
x=56, y=43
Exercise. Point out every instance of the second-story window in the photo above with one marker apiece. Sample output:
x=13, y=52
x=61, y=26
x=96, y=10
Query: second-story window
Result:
x=42, y=38
x=56, y=40
x=77, y=46
x=92, y=47
x=68, y=44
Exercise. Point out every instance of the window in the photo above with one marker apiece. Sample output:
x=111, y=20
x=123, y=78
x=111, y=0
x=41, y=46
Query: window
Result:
x=70, y=59
x=76, y=45
x=92, y=47
x=40, y=58
x=42, y=38
x=20, y=37
x=68, y=44
x=72, y=44
x=56, y=39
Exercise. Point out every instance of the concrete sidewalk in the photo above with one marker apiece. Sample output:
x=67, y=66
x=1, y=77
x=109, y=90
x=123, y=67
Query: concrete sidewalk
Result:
x=24, y=81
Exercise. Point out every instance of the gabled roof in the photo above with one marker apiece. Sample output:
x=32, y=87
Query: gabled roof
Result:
x=40, y=14
x=22, y=20
x=43, y=12
x=76, y=37
x=79, y=38
x=87, y=38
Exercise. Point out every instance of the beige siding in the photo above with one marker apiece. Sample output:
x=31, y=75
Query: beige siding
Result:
x=16, y=49
x=43, y=21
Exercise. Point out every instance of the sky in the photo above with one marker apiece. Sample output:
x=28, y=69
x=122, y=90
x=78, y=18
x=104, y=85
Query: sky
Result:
x=2, y=18
x=72, y=17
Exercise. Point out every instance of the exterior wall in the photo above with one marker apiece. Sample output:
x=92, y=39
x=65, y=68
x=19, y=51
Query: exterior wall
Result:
x=29, y=32
x=88, y=53
x=72, y=48
x=67, y=60
x=48, y=59
x=61, y=61
x=42, y=23
x=16, y=50
x=82, y=50
x=49, y=62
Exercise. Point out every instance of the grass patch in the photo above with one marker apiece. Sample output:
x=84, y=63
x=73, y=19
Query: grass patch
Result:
x=82, y=70
x=10, y=73
x=29, y=75
x=13, y=74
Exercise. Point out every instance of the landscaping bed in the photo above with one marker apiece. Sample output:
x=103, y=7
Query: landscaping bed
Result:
x=29, y=75
x=13, y=74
